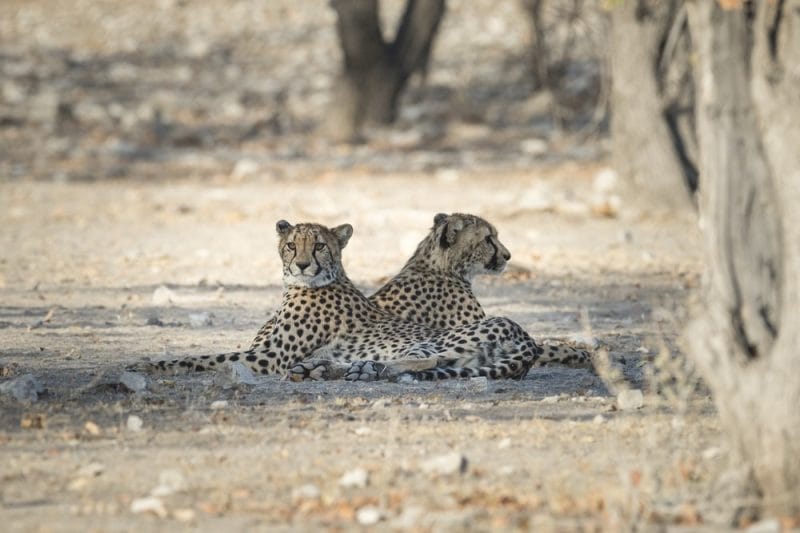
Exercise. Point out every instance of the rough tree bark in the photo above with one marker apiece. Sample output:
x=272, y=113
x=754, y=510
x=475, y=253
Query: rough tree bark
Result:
x=375, y=71
x=650, y=151
x=747, y=341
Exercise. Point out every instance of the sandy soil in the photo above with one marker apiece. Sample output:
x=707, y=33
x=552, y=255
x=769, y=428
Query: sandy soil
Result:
x=154, y=144
x=81, y=265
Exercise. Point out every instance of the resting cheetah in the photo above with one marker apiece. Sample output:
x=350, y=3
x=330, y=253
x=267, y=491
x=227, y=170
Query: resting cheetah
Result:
x=323, y=315
x=435, y=285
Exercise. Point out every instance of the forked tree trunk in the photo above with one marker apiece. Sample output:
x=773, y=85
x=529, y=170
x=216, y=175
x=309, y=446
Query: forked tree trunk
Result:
x=747, y=339
x=375, y=72
x=649, y=152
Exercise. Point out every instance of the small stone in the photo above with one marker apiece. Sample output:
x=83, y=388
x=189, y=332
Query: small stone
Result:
x=364, y=430
x=92, y=429
x=134, y=423
x=183, y=515
x=711, y=453
x=154, y=321
x=25, y=389
x=765, y=526
x=503, y=444
x=630, y=399
x=233, y=374
x=200, y=320
x=308, y=491
x=443, y=465
x=149, y=505
x=368, y=515
x=598, y=419
x=132, y=381
x=244, y=168
x=169, y=482
x=219, y=404
x=356, y=478
x=163, y=296
x=533, y=146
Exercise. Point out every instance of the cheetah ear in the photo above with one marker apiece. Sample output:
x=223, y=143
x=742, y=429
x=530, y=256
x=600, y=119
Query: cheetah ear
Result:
x=343, y=234
x=282, y=227
x=450, y=232
x=439, y=218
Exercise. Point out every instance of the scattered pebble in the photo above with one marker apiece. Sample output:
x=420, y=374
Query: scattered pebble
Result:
x=219, y=404
x=183, y=515
x=200, y=320
x=163, y=296
x=630, y=399
x=443, y=465
x=504, y=443
x=233, y=374
x=356, y=478
x=169, y=482
x=711, y=453
x=149, y=505
x=765, y=526
x=134, y=423
x=92, y=429
x=244, y=168
x=368, y=515
x=598, y=419
x=364, y=430
x=309, y=491
x=133, y=382
x=25, y=389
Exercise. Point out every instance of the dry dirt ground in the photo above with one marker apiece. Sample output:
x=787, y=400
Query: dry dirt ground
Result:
x=147, y=150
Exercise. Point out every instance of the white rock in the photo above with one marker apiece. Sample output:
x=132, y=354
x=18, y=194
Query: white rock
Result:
x=200, y=320
x=504, y=443
x=765, y=526
x=241, y=374
x=356, y=478
x=244, y=168
x=25, y=388
x=368, y=515
x=308, y=491
x=149, y=505
x=219, y=404
x=533, y=146
x=364, y=430
x=449, y=463
x=605, y=181
x=598, y=419
x=169, y=482
x=133, y=382
x=711, y=453
x=630, y=399
x=163, y=296
x=134, y=423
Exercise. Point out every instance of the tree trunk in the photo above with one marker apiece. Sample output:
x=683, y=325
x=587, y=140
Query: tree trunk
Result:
x=747, y=340
x=375, y=72
x=649, y=152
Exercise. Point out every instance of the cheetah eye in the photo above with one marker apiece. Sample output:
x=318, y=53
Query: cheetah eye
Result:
x=489, y=239
x=319, y=246
x=290, y=246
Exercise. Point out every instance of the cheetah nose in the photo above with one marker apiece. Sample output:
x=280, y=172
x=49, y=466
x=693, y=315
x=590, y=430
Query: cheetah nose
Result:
x=302, y=266
x=506, y=255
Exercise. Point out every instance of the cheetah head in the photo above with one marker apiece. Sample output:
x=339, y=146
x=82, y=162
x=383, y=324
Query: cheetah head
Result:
x=467, y=245
x=311, y=253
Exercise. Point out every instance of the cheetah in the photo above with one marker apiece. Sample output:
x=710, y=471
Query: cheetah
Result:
x=435, y=285
x=325, y=328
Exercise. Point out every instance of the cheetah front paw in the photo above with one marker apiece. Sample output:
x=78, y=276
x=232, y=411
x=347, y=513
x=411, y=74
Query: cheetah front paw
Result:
x=366, y=371
x=317, y=370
